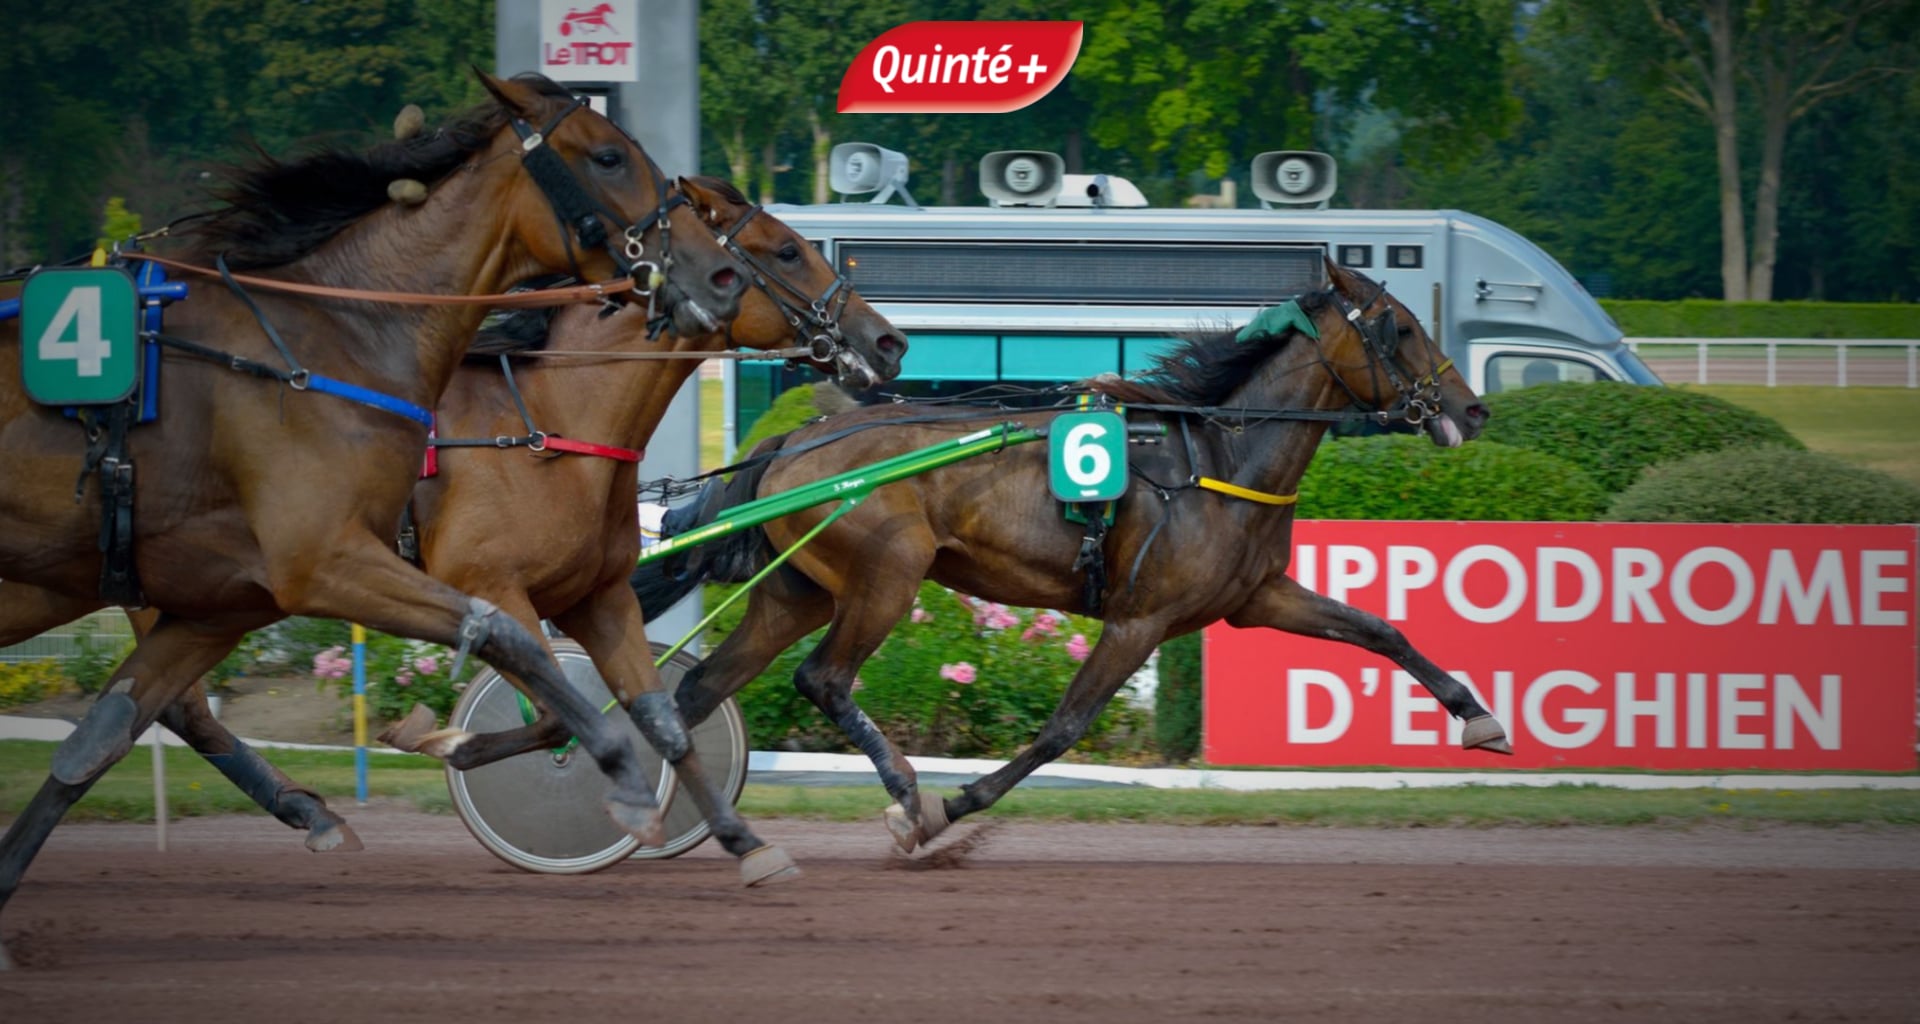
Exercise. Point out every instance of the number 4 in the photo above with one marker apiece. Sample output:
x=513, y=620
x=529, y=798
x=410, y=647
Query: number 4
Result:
x=88, y=349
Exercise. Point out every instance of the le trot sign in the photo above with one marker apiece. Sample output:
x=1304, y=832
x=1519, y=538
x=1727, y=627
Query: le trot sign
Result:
x=1658, y=646
x=589, y=41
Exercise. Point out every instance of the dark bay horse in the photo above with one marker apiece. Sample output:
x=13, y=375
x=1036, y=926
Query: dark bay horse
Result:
x=550, y=534
x=1183, y=551
x=253, y=503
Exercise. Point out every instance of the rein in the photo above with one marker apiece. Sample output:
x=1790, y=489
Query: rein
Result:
x=534, y=440
x=511, y=300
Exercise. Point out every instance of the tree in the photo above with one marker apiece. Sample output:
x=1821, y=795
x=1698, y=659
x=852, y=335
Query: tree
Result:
x=1786, y=57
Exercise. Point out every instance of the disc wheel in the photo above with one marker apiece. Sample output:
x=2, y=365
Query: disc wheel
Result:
x=545, y=811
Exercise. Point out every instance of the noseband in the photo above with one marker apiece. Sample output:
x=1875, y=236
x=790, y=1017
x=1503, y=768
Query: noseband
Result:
x=583, y=217
x=1380, y=336
x=815, y=321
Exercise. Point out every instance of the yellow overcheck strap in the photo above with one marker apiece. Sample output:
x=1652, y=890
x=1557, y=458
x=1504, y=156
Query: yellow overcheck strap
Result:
x=99, y=257
x=1241, y=492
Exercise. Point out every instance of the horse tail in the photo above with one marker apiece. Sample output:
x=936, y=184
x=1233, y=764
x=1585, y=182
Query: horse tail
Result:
x=734, y=558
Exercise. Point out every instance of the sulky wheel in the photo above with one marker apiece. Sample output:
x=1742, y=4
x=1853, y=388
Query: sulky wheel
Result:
x=544, y=811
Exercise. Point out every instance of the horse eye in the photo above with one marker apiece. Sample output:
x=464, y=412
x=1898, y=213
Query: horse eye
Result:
x=789, y=252
x=608, y=157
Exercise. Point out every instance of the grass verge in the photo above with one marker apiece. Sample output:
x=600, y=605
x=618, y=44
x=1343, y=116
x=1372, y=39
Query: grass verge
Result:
x=1871, y=427
x=194, y=788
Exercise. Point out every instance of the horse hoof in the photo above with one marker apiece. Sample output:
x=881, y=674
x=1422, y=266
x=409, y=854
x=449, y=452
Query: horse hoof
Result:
x=102, y=738
x=443, y=742
x=640, y=818
x=906, y=834
x=1485, y=733
x=933, y=816
x=767, y=865
x=407, y=733
x=334, y=837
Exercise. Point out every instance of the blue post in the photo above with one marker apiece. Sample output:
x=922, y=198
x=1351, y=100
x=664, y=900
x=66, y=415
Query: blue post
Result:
x=360, y=711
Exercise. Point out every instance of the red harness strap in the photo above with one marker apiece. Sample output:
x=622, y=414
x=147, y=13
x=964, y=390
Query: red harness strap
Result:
x=430, y=466
x=605, y=451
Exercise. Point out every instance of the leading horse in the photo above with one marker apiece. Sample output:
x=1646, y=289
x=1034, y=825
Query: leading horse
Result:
x=1203, y=533
x=276, y=491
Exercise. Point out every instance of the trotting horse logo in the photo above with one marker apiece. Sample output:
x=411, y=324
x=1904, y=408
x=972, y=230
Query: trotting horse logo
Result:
x=590, y=21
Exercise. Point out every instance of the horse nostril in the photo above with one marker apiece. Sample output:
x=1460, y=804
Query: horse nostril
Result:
x=725, y=279
x=1478, y=413
x=891, y=345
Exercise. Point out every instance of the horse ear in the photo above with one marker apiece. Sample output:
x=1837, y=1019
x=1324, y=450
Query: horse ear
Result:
x=702, y=199
x=515, y=97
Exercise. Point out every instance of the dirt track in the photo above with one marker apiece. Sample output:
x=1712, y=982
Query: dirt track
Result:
x=1114, y=924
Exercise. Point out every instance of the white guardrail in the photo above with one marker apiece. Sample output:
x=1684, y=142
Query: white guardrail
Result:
x=1803, y=361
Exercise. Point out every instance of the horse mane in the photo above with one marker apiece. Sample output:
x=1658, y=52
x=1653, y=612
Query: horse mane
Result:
x=1205, y=368
x=280, y=210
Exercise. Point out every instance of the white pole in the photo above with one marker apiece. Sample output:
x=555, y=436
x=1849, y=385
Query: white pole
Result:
x=159, y=788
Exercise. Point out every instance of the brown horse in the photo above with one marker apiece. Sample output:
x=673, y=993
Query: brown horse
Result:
x=253, y=502
x=549, y=534
x=1184, y=550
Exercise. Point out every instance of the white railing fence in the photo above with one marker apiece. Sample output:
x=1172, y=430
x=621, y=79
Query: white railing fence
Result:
x=1778, y=361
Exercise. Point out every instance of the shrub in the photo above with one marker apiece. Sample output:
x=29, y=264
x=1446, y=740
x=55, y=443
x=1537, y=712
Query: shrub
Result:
x=1176, y=704
x=1712, y=318
x=95, y=657
x=400, y=673
x=1400, y=476
x=1615, y=430
x=28, y=681
x=958, y=677
x=1766, y=485
x=794, y=407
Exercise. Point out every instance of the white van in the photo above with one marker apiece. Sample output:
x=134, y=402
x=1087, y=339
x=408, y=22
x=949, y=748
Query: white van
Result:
x=1070, y=275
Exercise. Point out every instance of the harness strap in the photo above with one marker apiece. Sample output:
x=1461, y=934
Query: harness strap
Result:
x=534, y=439
x=301, y=380
x=1236, y=491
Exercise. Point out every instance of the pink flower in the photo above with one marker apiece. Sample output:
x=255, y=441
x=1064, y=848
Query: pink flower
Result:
x=1046, y=623
x=1078, y=648
x=426, y=665
x=961, y=673
x=921, y=615
x=331, y=664
x=403, y=678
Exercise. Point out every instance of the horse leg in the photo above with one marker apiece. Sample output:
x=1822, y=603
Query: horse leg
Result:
x=165, y=663
x=779, y=613
x=863, y=617
x=418, y=733
x=608, y=624
x=1291, y=608
x=360, y=579
x=295, y=805
x=1124, y=646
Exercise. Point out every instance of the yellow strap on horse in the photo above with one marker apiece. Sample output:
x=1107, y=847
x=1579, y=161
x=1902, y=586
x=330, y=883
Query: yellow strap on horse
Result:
x=1251, y=495
x=1434, y=377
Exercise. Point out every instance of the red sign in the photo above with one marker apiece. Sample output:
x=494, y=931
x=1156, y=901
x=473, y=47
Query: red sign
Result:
x=959, y=67
x=1661, y=646
x=589, y=41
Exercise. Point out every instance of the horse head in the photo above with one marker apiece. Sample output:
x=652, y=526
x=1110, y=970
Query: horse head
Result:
x=612, y=204
x=798, y=295
x=1383, y=357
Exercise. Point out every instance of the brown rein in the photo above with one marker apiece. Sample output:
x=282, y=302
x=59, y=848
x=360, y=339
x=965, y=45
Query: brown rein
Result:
x=512, y=300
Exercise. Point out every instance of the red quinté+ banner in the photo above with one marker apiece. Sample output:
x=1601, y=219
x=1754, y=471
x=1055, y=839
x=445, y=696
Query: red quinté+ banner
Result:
x=1659, y=646
x=959, y=67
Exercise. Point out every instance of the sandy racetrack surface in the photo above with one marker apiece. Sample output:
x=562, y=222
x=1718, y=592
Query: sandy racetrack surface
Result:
x=1112, y=923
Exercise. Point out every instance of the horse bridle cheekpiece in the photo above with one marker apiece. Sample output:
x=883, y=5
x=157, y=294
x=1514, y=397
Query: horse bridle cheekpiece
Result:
x=815, y=321
x=1420, y=397
x=583, y=217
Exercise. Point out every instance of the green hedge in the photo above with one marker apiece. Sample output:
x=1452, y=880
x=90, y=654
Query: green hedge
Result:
x=1399, y=476
x=1708, y=318
x=1614, y=430
x=1176, y=702
x=794, y=407
x=1766, y=485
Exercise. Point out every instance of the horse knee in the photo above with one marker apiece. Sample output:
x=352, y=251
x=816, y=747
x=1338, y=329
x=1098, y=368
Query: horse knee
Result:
x=658, y=720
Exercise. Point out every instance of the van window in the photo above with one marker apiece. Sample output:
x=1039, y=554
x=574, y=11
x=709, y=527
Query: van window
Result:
x=1511, y=372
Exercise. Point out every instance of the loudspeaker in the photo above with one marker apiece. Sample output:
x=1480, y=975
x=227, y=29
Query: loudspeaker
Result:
x=1294, y=177
x=1021, y=177
x=856, y=168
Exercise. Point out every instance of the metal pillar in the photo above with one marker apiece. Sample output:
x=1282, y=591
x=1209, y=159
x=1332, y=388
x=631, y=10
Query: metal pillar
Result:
x=662, y=110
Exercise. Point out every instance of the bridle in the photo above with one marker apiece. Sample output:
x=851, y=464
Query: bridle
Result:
x=815, y=321
x=586, y=219
x=1380, y=336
